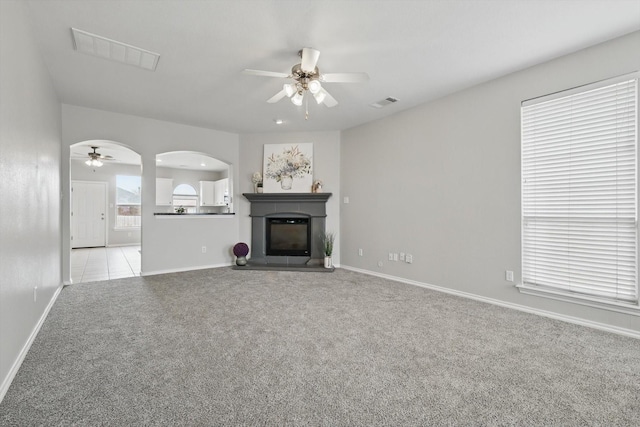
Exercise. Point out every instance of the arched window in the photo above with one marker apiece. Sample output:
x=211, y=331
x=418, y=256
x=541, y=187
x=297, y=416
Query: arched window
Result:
x=185, y=196
x=185, y=190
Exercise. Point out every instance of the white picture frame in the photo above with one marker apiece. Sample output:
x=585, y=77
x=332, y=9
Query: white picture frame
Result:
x=288, y=168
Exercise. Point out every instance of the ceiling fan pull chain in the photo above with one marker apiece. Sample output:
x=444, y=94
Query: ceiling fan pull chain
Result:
x=306, y=108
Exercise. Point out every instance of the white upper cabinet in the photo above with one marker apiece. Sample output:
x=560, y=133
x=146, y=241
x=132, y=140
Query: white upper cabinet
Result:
x=164, y=191
x=207, y=193
x=222, y=192
x=214, y=193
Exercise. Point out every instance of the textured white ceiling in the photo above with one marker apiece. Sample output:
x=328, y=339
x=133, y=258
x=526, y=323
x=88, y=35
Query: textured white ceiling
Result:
x=415, y=51
x=190, y=160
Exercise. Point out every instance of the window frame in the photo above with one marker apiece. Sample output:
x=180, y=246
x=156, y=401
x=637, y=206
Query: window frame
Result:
x=117, y=227
x=627, y=307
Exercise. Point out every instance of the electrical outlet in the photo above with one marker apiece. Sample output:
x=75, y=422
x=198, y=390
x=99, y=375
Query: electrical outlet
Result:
x=508, y=275
x=409, y=258
x=204, y=249
x=360, y=251
x=401, y=256
x=390, y=256
x=345, y=200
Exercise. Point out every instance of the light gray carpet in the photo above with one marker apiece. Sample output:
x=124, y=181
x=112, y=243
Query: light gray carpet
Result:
x=226, y=347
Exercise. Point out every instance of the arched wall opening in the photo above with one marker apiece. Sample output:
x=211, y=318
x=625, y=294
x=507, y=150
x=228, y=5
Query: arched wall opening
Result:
x=105, y=209
x=209, y=177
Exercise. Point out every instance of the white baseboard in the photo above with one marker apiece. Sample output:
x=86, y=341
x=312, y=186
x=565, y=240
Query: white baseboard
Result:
x=570, y=319
x=180, y=270
x=6, y=382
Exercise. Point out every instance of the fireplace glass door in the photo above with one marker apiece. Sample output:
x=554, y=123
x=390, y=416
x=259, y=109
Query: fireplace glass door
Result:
x=288, y=236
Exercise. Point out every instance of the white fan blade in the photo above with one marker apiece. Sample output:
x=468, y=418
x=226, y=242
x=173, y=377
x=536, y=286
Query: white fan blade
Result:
x=345, y=77
x=277, y=97
x=309, y=59
x=328, y=100
x=264, y=73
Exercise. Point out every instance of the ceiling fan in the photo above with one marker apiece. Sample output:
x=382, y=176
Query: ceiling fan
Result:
x=307, y=78
x=95, y=158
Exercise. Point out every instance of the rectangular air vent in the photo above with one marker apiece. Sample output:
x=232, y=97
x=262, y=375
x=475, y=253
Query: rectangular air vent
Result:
x=384, y=102
x=103, y=47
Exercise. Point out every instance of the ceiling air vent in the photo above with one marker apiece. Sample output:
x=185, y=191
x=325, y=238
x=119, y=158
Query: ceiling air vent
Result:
x=103, y=47
x=384, y=102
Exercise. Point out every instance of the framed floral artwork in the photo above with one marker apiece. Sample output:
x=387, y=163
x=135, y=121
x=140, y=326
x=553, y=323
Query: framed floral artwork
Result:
x=288, y=168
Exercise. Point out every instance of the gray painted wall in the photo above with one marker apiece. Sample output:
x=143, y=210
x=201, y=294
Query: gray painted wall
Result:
x=442, y=182
x=326, y=168
x=30, y=187
x=168, y=244
x=107, y=173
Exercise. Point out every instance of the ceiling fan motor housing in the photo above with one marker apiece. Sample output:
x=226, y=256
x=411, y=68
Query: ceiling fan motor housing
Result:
x=97, y=156
x=304, y=77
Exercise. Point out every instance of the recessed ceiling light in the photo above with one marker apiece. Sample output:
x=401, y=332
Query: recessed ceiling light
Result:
x=158, y=160
x=278, y=121
x=202, y=164
x=103, y=47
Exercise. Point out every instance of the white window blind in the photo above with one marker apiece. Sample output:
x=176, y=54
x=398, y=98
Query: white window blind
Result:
x=579, y=193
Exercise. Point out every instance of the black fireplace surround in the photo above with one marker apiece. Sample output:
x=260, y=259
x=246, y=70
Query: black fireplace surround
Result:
x=302, y=212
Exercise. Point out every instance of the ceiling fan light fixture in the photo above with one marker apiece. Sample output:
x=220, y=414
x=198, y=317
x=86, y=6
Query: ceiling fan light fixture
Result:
x=297, y=99
x=314, y=86
x=93, y=162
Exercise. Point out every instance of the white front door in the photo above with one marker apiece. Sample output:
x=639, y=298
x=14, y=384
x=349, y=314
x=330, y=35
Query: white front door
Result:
x=88, y=214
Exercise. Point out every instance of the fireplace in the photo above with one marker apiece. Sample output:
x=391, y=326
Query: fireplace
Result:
x=288, y=236
x=287, y=229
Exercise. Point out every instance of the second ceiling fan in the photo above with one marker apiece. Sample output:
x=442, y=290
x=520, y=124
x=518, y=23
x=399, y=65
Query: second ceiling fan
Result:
x=307, y=78
x=95, y=158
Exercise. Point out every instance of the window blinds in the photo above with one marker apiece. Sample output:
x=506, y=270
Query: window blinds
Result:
x=579, y=191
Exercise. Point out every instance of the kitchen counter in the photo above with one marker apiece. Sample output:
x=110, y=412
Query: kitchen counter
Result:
x=203, y=214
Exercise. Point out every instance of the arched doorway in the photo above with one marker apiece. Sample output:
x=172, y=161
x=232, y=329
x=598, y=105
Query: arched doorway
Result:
x=105, y=211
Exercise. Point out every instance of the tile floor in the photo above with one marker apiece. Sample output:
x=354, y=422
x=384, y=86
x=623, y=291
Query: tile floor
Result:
x=93, y=264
